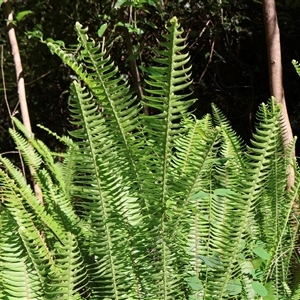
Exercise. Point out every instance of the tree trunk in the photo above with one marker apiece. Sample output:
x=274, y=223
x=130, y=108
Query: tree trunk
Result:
x=277, y=90
x=275, y=73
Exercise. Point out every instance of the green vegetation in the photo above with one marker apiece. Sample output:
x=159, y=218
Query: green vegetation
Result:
x=158, y=206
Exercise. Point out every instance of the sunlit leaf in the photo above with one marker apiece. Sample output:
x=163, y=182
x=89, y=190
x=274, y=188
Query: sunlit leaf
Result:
x=22, y=14
x=102, y=29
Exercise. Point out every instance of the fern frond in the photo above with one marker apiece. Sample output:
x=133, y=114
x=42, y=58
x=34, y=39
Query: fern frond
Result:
x=232, y=147
x=195, y=155
x=267, y=169
x=111, y=95
x=69, y=279
x=165, y=93
x=296, y=66
x=159, y=206
x=279, y=267
x=17, y=195
x=101, y=187
x=166, y=84
x=19, y=279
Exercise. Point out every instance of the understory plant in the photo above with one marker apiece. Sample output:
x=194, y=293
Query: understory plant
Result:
x=159, y=206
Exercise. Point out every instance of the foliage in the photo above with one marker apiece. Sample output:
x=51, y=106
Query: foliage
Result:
x=159, y=206
x=296, y=66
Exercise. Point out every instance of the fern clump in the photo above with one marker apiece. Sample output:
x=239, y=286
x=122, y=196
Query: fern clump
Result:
x=159, y=206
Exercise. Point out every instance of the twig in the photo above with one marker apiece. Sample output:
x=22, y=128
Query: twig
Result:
x=37, y=79
x=209, y=61
x=200, y=34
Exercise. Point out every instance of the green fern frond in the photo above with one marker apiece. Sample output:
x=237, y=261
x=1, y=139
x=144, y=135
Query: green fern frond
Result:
x=69, y=280
x=195, y=154
x=166, y=94
x=285, y=238
x=63, y=139
x=232, y=146
x=17, y=196
x=267, y=163
x=19, y=279
x=296, y=66
x=265, y=153
x=32, y=238
x=103, y=193
x=111, y=95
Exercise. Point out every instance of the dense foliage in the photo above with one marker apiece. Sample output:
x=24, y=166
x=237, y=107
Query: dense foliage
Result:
x=159, y=206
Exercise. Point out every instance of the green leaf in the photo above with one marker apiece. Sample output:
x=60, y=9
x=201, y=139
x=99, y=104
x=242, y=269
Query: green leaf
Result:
x=35, y=34
x=212, y=262
x=102, y=29
x=234, y=287
x=223, y=192
x=22, y=14
x=199, y=195
x=194, y=283
x=120, y=3
x=259, y=288
x=261, y=252
x=133, y=28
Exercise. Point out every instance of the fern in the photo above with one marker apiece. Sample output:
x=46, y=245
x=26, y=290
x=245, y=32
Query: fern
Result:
x=65, y=283
x=296, y=66
x=145, y=207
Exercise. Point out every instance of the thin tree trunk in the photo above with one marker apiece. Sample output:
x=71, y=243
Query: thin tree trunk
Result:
x=20, y=82
x=275, y=73
x=18, y=66
x=277, y=90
